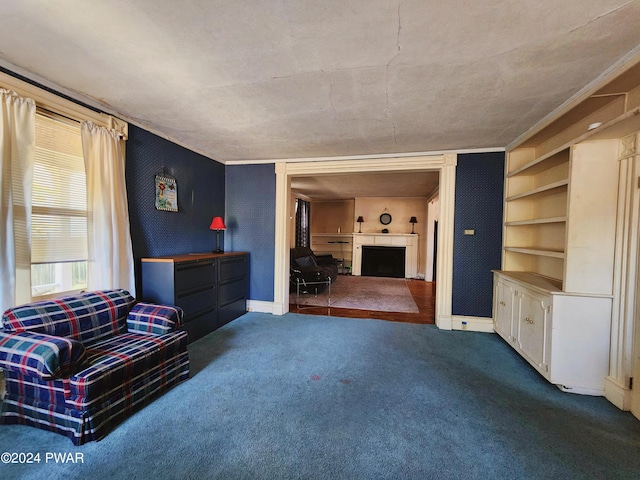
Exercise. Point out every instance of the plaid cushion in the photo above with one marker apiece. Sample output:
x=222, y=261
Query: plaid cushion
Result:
x=154, y=319
x=39, y=355
x=87, y=317
x=118, y=364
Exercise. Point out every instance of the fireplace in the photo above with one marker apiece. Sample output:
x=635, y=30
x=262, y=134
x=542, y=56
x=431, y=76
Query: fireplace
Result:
x=383, y=261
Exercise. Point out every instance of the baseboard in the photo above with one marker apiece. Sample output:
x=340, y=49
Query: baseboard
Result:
x=443, y=322
x=262, y=307
x=594, y=392
x=472, y=324
x=617, y=394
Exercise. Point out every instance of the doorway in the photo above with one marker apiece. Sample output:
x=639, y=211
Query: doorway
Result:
x=445, y=165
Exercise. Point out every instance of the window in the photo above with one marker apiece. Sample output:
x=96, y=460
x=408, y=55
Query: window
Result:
x=59, y=208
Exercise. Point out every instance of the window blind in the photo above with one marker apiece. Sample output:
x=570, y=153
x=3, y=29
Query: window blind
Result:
x=59, y=197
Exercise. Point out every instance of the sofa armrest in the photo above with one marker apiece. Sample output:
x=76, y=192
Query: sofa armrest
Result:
x=154, y=319
x=40, y=355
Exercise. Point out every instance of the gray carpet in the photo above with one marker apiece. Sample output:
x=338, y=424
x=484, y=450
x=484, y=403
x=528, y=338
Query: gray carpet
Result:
x=365, y=293
x=314, y=397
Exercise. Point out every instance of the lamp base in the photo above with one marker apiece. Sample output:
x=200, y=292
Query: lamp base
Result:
x=218, y=249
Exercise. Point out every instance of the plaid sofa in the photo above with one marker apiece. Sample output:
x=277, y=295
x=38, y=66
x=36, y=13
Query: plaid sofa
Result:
x=80, y=365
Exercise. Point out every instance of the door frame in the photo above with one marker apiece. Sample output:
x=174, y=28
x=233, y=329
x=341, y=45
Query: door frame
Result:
x=445, y=164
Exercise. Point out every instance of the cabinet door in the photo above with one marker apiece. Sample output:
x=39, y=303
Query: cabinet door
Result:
x=533, y=329
x=503, y=309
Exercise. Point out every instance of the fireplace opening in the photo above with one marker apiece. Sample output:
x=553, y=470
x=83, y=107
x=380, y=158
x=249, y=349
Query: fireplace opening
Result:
x=383, y=261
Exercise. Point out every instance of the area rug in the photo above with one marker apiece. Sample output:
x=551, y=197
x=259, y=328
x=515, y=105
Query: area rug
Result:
x=364, y=293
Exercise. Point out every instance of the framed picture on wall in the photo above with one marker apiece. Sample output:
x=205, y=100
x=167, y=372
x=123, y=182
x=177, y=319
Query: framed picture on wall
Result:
x=166, y=193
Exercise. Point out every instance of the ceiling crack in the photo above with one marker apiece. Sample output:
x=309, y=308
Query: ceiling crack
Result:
x=333, y=107
x=613, y=10
x=387, y=113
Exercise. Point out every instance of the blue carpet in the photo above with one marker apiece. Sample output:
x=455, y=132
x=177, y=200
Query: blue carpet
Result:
x=311, y=397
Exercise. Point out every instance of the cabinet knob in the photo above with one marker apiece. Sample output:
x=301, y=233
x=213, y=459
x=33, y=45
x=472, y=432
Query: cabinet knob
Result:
x=502, y=303
x=528, y=320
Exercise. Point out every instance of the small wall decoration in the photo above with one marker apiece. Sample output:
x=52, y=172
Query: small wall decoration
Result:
x=166, y=192
x=385, y=218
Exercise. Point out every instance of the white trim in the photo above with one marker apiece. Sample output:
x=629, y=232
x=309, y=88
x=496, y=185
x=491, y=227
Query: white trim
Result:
x=281, y=266
x=617, y=394
x=407, y=240
x=594, y=392
x=445, y=164
x=366, y=157
x=260, y=306
x=444, y=256
x=472, y=324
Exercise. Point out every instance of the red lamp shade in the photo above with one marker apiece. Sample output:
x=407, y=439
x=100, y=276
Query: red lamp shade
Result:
x=217, y=224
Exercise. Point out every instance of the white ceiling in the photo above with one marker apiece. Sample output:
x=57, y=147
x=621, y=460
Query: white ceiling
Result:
x=246, y=80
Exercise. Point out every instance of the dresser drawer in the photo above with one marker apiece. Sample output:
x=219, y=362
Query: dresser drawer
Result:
x=193, y=275
x=231, y=311
x=197, y=301
x=201, y=325
x=230, y=291
x=232, y=267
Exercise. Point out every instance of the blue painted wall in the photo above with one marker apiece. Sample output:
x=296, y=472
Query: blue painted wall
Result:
x=201, y=196
x=479, y=195
x=250, y=214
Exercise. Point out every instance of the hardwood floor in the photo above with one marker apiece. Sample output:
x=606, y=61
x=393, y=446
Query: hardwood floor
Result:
x=423, y=293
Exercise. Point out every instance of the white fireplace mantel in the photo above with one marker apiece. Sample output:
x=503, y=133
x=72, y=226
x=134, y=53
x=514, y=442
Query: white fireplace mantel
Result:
x=409, y=241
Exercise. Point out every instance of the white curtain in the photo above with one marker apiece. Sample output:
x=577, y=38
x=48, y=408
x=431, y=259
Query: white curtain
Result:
x=17, y=153
x=110, y=251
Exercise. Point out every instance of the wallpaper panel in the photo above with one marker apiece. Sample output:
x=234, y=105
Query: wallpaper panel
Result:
x=250, y=214
x=201, y=196
x=479, y=197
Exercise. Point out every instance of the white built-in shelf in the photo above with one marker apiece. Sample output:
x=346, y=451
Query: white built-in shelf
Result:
x=536, y=221
x=548, y=189
x=540, y=252
x=542, y=163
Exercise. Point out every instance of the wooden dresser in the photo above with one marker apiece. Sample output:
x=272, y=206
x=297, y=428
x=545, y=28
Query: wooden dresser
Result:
x=211, y=288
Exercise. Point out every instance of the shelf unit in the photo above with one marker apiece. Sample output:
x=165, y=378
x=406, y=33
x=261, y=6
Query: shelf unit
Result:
x=560, y=213
x=564, y=198
x=340, y=245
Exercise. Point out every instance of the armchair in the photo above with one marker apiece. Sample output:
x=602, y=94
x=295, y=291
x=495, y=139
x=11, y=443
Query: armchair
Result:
x=79, y=365
x=308, y=268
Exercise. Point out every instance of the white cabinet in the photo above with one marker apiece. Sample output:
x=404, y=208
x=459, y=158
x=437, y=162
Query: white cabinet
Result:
x=570, y=217
x=564, y=336
x=532, y=326
x=504, y=293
